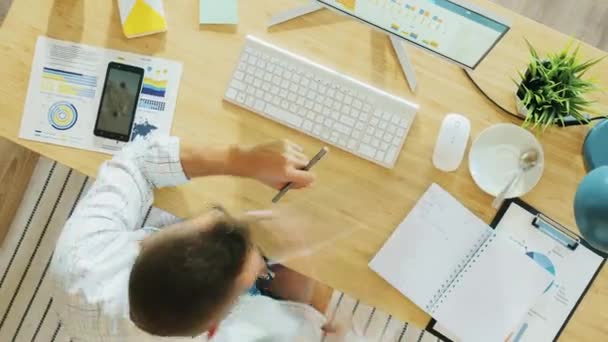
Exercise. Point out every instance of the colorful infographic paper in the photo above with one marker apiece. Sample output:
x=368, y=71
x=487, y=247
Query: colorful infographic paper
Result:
x=65, y=89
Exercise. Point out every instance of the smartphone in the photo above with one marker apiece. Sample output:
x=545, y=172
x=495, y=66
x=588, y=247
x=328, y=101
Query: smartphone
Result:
x=119, y=100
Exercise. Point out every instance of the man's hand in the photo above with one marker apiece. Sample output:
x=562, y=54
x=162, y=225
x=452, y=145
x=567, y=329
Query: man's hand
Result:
x=276, y=164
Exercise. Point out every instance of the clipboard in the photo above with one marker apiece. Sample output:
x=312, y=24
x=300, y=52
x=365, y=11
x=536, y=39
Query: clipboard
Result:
x=557, y=232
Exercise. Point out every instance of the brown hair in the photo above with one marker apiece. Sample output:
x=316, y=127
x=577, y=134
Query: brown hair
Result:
x=176, y=287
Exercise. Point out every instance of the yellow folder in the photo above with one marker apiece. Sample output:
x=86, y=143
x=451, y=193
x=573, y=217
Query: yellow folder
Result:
x=142, y=17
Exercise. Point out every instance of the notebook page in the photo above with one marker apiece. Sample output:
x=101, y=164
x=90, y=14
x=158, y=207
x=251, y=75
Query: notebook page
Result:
x=493, y=293
x=430, y=246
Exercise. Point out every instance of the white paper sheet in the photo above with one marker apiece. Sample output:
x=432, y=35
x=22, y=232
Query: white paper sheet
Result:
x=573, y=271
x=430, y=246
x=65, y=89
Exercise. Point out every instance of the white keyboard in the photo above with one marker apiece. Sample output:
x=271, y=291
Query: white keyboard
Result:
x=320, y=102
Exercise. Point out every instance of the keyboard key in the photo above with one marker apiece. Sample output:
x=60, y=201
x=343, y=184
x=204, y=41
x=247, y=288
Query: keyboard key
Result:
x=319, y=119
x=370, y=130
x=400, y=132
x=274, y=90
x=374, y=122
x=356, y=134
x=360, y=125
x=307, y=125
x=311, y=115
x=348, y=100
x=285, y=104
x=283, y=93
x=379, y=134
x=250, y=101
x=396, y=141
x=334, y=137
x=342, y=128
x=388, y=137
x=364, y=117
x=375, y=142
x=240, y=98
x=293, y=108
x=239, y=75
x=390, y=155
x=259, y=93
x=367, y=139
x=355, y=113
x=358, y=104
x=386, y=116
x=325, y=133
x=231, y=93
x=382, y=125
x=383, y=146
x=335, y=115
x=328, y=122
x=259, y=105
x=367, y=150
x=283, y=115
x=352, y=143
x=392, y=129
x=238, y=85
x=318, y=108
x=266, y=87
x=347, y=120
x=257, y=83
x=380, y=155
x=317, y=130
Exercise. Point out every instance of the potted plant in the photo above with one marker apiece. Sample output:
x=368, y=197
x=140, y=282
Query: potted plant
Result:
x=553, y=88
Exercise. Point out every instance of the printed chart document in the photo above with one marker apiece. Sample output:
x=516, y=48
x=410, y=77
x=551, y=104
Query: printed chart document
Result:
x=573, y=271
x=477, y=284
x=65, y=89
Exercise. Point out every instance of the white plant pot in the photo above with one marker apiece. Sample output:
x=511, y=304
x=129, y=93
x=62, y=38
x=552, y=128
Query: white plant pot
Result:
x=521, y=109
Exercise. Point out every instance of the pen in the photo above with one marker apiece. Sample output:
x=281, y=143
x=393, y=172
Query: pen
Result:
x=309, y=166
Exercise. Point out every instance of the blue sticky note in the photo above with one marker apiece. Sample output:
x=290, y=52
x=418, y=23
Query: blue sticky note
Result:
x=219, y=12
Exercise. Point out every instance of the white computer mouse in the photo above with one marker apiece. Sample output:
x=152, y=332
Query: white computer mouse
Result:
x=452, y=142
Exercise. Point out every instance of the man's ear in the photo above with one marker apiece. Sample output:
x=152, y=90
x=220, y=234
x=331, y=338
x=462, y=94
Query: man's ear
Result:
x=212, y=331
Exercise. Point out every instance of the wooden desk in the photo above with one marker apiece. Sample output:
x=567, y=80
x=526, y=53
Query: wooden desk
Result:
x=350, y=192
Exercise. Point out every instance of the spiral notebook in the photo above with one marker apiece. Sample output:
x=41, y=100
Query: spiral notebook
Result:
x=476, y=283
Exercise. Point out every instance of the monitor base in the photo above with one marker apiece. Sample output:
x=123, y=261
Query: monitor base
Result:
x=397, y=43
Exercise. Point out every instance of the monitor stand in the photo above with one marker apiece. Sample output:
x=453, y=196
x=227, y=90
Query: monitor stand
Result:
x=398, y=45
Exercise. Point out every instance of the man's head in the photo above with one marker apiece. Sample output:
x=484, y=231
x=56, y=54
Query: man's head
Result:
x=187, y=276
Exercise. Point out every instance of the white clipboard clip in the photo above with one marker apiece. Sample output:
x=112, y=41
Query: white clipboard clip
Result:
x=556, y=231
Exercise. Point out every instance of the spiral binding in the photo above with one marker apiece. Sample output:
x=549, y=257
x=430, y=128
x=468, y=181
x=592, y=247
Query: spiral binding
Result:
x=461, y=268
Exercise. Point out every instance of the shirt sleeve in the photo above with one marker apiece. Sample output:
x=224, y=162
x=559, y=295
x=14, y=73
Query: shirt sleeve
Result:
x=100, y=241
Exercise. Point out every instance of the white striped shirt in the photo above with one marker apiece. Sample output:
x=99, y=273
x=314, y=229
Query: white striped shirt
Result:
x=101, y=240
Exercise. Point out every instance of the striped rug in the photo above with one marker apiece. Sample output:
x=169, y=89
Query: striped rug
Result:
x=26, y=303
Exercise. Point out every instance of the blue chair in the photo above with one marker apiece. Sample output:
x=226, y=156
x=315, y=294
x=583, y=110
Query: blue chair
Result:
x=591, y=200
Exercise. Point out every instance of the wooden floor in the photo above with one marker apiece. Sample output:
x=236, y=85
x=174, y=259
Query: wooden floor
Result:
x=586, y=20
x=16, y=167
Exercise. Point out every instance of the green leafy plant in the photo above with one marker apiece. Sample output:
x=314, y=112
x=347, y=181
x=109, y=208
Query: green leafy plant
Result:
x=553, y=88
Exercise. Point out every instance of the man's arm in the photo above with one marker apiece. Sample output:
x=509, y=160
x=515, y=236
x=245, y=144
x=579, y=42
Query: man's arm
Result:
x=105, y=223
